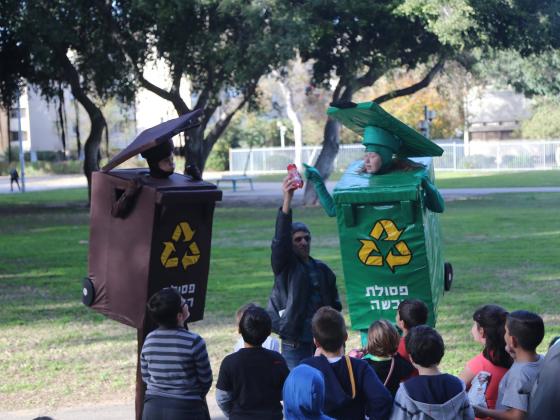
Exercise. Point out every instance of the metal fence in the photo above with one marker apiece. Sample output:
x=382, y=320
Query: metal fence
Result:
x=479, y=155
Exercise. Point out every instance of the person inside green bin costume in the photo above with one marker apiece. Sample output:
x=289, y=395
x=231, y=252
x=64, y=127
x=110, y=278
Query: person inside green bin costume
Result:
x=383, y=137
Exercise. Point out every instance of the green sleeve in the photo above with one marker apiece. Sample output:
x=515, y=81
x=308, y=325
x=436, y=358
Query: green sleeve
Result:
x=325, y=198
x=434, y=200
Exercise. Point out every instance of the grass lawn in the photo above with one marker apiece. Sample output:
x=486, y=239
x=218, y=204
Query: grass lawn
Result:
x=494, y=179
x=474, y=179
x=55, y=351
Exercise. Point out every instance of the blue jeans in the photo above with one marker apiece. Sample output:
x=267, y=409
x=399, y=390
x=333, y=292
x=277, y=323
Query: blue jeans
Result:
x=295, y=352
x=162, y=408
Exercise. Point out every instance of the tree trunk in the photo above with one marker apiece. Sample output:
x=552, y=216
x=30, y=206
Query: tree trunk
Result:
x=331, y=144
x=91, y=147
x=198, y=147
x=78, y=138
x=324, y=164
x=9, y=138
x=194, y=151
x=295, y=120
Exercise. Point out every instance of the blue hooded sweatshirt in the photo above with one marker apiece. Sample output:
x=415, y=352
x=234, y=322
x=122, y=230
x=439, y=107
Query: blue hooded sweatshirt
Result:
x=304, y=394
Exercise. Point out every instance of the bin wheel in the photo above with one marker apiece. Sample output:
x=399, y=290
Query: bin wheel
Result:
x=88, y=292
x=447, y=276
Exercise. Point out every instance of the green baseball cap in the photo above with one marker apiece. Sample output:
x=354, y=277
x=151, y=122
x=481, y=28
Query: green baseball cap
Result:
x=381, y=131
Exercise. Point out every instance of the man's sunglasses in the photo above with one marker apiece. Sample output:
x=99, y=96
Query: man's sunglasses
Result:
x=298, y=239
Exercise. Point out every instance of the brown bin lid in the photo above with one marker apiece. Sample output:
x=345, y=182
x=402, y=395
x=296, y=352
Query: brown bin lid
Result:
x=155, y=135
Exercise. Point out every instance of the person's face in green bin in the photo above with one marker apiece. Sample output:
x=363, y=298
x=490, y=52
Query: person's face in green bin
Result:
x=372, y=162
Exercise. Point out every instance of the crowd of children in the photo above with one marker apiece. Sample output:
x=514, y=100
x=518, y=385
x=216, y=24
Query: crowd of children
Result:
x=394, y=377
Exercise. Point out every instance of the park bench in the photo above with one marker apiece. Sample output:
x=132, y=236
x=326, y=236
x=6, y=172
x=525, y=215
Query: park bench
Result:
x=234, y=179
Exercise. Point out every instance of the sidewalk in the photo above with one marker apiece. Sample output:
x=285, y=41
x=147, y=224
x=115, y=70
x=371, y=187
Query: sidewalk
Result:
x=115, y=411
x=261, y=190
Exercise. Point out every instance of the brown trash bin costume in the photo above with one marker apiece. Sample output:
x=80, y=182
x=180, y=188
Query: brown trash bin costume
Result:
x=148, y=230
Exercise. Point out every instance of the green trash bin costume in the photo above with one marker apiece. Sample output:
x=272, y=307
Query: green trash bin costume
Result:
x=388, y=225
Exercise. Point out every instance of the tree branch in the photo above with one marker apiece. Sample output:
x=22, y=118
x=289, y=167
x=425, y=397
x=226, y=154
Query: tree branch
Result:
x=176, y=80
x=413, y=88
x=367, y=79
x=222, y=123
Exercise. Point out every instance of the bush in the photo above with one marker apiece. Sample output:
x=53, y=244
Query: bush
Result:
x=219, y=156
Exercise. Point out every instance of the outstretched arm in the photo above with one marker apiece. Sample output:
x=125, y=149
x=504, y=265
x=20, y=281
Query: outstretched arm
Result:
x=282, y=242
x=326, y=200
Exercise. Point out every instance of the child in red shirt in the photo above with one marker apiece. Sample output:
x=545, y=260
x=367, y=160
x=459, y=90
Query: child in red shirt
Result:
x=488, y=329
x=410, y=313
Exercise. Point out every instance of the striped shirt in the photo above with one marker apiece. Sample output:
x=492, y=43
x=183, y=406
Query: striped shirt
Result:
x=175, y=364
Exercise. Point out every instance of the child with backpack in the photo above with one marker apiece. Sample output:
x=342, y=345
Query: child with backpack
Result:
x=382, y=356
x=353, y=389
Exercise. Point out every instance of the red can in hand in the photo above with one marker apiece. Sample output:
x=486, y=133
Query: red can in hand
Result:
x=295, y=177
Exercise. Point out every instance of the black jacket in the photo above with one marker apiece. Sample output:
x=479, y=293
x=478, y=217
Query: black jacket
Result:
x=291, y=289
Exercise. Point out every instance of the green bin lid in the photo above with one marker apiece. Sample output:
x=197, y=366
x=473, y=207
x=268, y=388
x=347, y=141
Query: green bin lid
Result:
x=356, y=186
x=363, y=116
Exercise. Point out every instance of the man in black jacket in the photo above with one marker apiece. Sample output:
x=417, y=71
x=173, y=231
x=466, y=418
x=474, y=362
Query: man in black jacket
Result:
x=301, y=284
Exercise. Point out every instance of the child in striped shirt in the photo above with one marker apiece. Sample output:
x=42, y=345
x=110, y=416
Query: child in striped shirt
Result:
x=174, y=363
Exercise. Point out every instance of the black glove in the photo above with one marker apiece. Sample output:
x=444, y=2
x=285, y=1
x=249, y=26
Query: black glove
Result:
x=343, y=104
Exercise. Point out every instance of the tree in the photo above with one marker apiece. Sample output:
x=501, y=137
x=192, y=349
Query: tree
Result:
x=221, y=48
x=355, y=43
x=545, y=121
x=63, y=44
x=534, y=75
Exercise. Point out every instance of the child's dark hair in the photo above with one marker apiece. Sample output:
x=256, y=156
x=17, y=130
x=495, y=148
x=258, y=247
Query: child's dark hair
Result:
x=492, y=319
x=383, y=338
x=424, y=345
x=164, y=306
x=413, y=312
x=527, y=327
x=255, y=325
x=329, y=329
x=242, y=310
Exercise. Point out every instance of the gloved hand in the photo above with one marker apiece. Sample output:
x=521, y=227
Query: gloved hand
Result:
x=312, y=174
x=343, y=104
x=433, y=199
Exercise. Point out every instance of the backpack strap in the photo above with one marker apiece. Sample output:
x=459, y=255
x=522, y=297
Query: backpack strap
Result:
x=390, y=371
x=351, y=375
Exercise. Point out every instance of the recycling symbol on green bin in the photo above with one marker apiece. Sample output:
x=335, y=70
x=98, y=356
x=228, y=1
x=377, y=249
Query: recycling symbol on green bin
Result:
x=384, y=230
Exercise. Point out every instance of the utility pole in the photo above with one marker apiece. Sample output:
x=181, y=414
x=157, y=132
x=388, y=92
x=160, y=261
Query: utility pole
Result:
x=426, y=123
x=20, y=138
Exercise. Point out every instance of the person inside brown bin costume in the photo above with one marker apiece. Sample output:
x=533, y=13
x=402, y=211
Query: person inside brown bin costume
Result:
x=302, y=284
x=161, y=164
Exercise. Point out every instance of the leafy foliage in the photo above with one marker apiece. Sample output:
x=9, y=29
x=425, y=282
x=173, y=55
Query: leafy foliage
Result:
x=534, y=75
x=544, y=123
x=222, y=47
x=353, y=38
x=526, y=26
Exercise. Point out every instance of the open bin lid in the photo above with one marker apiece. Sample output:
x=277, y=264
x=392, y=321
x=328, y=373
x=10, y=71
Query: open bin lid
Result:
x=154, y=136
x=356, y=186
x=365, y=114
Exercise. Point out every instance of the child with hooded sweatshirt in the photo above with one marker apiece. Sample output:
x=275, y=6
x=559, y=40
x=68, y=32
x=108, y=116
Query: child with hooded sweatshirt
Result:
x=432, y=394
x=353, y=389
x=304, y=394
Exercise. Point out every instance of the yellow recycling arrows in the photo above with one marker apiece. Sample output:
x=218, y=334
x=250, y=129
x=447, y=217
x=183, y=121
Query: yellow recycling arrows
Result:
x=364, y=253
x=192, y=254
x=369, y=252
